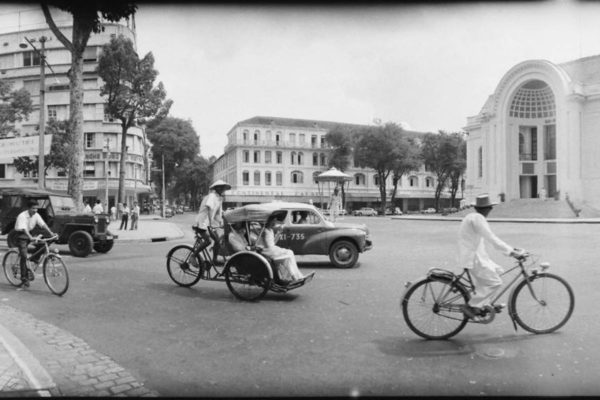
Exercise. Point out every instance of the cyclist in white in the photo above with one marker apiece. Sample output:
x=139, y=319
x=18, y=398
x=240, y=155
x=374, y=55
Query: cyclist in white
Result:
x=211, y=214
x=474, y=230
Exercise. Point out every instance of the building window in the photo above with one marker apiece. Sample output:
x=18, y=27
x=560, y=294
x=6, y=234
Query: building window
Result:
x=279, y=178
x=428, y=182
x=376, y=180
x=413, y=181
x=293, y=158
x=268, y=178
x=256, y=178
x=90, y=140
x=322, y=142
x=269, y=137
x=267, y=157
x=90, y=54
x=31, y=174
x=323, y=159
x=313, y=141
x=31, y=58
x=359, y=179
x=89, y=169
x=550, y=142
x=301, y=139
x=33, y=87
x=256, y=137
x=245, y=137
x=107, y=116
x=297, y=177
x=315, y=176
x=292, y=139
x=246, y=156
x=279, y=157
x=245, y=178
x=300, y=158
x=278, y=139
x=480, y=162
x=315, y=159
x=257, y=157
x=2, y=171
x=52, y=112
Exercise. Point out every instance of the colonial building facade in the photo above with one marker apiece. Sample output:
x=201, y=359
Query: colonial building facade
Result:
x=538, y=133
x=102, y=136
x=270, y=158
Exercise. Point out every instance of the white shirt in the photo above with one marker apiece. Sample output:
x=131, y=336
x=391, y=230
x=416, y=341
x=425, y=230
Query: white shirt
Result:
x=98, y=209
x=26, y=222
x=474, y=230
x=135, y=210
x=87, y=208
x=211, y=212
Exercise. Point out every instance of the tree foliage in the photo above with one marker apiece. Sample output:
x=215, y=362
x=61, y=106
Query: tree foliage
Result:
x=59, y=151
x=87, y=18
x=130, y=91
x=15, y=105
x=443, y=155
x=409, y=159
x=192, y=179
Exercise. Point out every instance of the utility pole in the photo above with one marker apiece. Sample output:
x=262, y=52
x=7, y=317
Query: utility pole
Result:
x=163, y=185
x=41, y=161
x=106, y=173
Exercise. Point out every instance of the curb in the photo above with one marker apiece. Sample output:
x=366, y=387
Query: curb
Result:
x=39, y=379
x=514, y=220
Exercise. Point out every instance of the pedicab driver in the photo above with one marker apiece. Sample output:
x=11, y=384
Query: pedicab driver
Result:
x=211, y=214
x=474, y=230
x=25, y=223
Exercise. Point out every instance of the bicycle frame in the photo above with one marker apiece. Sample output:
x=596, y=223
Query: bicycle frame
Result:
x=44, y=251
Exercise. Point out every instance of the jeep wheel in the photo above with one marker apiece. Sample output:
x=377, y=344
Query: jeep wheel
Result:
x=104, y=247
x=80, y=243
x=343, y=254
x=11, y=238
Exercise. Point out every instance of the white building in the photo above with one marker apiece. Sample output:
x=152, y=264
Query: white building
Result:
x=102, y=139
x=539, y=132
x=270, y=158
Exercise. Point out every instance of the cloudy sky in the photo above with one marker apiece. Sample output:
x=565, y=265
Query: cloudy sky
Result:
x=429, y=66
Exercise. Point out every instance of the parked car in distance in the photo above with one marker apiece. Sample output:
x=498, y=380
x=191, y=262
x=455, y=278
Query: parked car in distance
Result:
x=306, y=231
x=179, y=210
x=429, y=210
x=83, y=232
x=168, y=211
x=365, y=211
x=393, y=211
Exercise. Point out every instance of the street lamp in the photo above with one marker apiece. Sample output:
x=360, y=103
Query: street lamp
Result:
x=42, y=54
x=106, y=172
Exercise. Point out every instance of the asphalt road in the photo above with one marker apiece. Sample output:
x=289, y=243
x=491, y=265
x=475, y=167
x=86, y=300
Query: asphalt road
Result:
x=341, y=335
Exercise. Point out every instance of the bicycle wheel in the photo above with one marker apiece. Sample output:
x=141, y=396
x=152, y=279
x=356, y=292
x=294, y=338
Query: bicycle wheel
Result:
x=551, y=307
x=247, y=278
x=433, y=309
x=56, y=275
x=12, y=267
x=183, y=265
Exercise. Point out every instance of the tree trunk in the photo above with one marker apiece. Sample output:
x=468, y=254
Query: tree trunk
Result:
x=122, y=170
x=76, y=133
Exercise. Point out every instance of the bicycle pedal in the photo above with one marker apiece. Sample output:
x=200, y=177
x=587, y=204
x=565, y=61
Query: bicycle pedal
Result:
x=499, y=307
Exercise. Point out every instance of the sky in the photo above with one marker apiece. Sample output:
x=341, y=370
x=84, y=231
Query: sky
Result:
x=428, y=67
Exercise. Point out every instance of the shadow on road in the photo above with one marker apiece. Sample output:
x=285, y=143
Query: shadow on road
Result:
x=217, y=291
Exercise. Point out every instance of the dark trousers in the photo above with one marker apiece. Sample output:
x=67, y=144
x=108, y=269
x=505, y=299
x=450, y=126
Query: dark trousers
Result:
x=207, y=239
x=124, y=220
x=22, y=242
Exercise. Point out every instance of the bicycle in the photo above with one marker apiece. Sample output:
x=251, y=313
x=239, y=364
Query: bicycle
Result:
x=54, y=269
x=540, y=302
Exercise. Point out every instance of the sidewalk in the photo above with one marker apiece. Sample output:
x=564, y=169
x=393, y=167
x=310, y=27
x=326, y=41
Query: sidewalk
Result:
x=38, y=359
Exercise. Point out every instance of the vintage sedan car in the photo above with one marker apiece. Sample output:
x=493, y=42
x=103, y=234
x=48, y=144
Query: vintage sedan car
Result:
x=306, y=231
x=368, y=211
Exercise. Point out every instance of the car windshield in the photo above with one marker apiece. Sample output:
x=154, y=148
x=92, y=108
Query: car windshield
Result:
x=62, y=204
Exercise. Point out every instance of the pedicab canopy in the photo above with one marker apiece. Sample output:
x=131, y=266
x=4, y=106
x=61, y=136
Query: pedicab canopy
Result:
x=252, y=212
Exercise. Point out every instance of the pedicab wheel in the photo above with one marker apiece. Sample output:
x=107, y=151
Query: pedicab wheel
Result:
x=247, y=278
x=56, y=275
x=433, y=309
x=183, y=265
x=551, y=307
x=12, y=267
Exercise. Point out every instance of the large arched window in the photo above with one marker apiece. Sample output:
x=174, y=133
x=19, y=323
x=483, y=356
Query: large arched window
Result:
x=268, y=178
x=257, y=178
x=429, y=182
x=359, y=179
x=256, y=137
x=245, y=136
x=323, y=159
x=297, y=177
x=300, y=158
x=480, y=162
x=278, y=138
x=315, y=159
x=293, y=157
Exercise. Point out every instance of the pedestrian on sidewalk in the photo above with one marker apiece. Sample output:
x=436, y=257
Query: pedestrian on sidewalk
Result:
x=124, y=216
x=113, y=213
x=135, y=215
x=98, y=209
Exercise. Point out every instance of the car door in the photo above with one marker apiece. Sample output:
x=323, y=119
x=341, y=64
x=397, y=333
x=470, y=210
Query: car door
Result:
x=305, y=236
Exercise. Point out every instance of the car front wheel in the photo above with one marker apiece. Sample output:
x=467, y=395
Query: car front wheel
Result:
x=343, y=254
x=104, y=247
x=80, y=243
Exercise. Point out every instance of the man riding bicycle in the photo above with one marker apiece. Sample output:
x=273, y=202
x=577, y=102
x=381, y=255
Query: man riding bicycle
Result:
x=474, y=229
x=210, y=214
x=26, y=222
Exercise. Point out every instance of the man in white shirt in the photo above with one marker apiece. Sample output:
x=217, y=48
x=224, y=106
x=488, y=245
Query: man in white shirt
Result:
x=474, y=230
x=26, y=221
x=211, y=213
x=98, y=209
x=87, y=208
x=135, y=215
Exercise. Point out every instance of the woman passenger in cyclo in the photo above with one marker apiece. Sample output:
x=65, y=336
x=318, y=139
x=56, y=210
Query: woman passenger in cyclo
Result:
x=284, y=259
x=211, y=214
x=474, y=229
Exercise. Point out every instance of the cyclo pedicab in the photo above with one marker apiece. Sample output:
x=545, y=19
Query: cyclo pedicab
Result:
x=247, y=273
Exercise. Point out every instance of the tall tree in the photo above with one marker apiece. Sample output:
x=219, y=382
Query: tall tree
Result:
x=409, y=159
x=87, y=18
x=379, y=148
x=192, y=180
x=15, y=105
x=440, y=152
x=130, y=91
x=341, y=140
x=59, y=150
x=459, y=166
x=177, y=141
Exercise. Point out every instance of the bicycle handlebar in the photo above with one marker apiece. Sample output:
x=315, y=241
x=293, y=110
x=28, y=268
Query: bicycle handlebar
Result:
x=46, y=240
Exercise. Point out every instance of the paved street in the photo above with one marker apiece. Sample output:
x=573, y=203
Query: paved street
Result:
x=340, y=335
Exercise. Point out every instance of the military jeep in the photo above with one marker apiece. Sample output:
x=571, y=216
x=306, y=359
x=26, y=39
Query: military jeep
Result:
x=82, y=232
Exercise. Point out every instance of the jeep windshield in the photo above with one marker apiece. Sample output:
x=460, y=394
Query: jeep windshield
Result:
x=62, y=204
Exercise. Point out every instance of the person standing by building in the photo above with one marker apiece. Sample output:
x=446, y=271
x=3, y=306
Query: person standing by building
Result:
x=113, y=213
x=135, y=215
x=87, y=208
x=98, y=209
x=124, y=216
x=26, y=221
x=473, y=232
x=210, y=214
x=335, y=203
